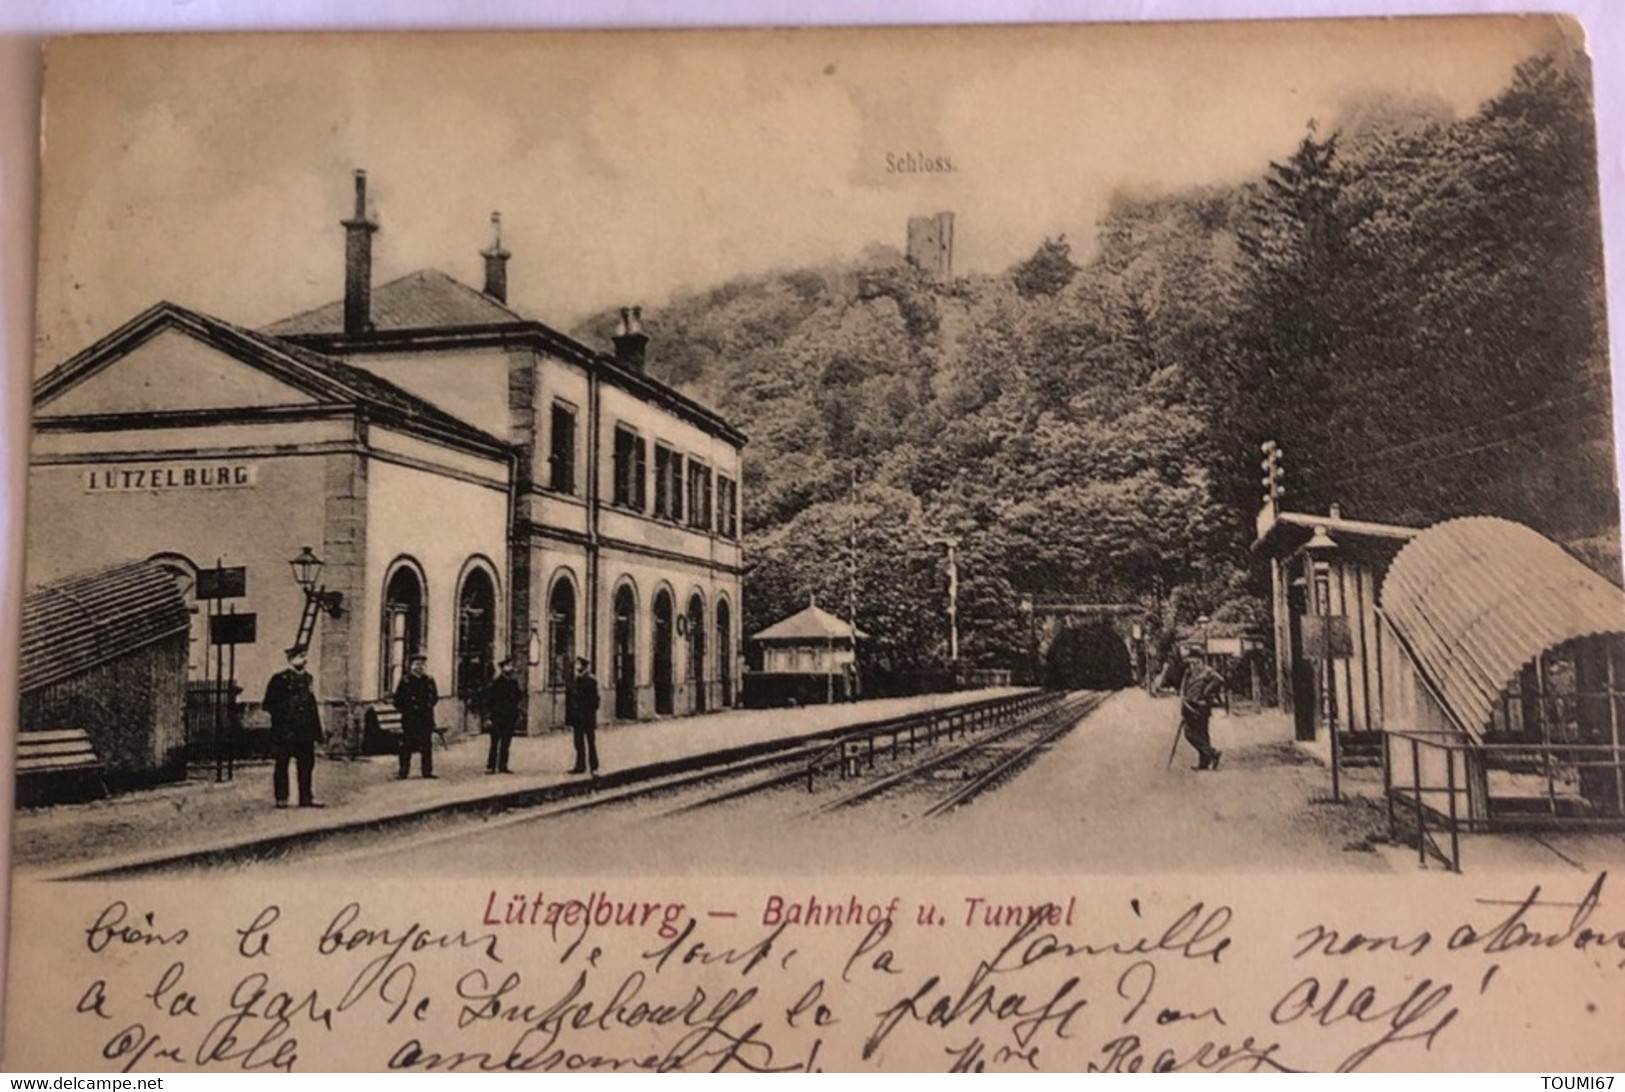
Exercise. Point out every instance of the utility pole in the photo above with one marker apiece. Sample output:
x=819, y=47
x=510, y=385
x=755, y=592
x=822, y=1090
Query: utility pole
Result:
x=953, y=596
x=852, y=587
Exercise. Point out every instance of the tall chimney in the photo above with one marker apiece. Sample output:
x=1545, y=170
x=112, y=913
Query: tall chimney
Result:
x=630, y=340
x=496, y=263
x=358, y=262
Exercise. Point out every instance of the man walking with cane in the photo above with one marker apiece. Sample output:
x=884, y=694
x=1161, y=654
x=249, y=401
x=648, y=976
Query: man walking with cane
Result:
x=1200, y=690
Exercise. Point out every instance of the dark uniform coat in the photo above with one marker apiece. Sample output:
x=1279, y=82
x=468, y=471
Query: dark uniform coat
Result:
x=415, y=697
x=503, y=699
x=291, y=702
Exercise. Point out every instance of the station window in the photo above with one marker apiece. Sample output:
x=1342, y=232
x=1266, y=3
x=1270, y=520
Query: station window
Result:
x=727, y=506
x=630, y=470
x=562, y=454
x=668, y=483
x=699, y=495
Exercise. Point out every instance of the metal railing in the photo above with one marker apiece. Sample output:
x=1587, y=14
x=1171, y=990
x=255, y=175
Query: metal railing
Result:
x=1449, y=784
x=862, y=746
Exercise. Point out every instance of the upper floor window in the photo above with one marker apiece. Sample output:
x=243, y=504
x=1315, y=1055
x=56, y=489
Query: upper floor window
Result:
x=668, y=483
x=562, y=454
x=630, y=470
x=699, y=495
x=727, y=506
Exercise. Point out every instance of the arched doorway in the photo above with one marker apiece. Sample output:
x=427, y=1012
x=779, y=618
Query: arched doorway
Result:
x=476, y=634
x=561, y=633
x=404, y=622
x=696, y=650
x=626, y=653
x=663, y=652
x=725, y=655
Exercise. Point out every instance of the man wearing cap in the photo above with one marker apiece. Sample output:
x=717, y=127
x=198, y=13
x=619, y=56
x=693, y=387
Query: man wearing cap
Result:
x=504, y=702
x=1201, y=689
x=581, y=711
x=415, y=698
x=296, y=728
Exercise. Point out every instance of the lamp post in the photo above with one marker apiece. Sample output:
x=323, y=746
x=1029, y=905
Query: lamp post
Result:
x=307, y=569
x=1320, y=548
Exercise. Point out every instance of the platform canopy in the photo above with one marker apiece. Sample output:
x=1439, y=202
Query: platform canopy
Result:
x=1476, y=599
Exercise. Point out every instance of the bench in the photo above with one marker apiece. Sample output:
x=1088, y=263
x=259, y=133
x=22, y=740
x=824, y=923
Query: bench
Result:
x=56, y=765
x=381, y=730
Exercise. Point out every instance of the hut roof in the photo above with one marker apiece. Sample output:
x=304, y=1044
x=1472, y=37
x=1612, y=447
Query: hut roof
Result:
x=812, y=624
x=89, y=619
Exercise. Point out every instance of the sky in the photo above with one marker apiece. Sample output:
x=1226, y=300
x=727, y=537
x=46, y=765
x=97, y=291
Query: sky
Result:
x=213, y=171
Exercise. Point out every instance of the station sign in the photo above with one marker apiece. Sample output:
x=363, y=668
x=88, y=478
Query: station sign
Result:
x=169, y=477
x=233, y=629
x=221, y=583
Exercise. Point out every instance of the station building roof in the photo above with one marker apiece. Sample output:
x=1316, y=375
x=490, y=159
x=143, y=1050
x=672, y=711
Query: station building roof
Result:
x=422, y=300
x=429, y=310
x=323, y=378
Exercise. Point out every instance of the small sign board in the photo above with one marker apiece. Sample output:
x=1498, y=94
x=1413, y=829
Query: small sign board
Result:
x=233, y=629
x=225, y=583
x=1327, y=637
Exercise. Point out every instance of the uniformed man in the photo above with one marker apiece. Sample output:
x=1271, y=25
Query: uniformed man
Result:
x=1200, y=691
x=581, y=712
x=415, y=697
x=296, y=728
x=504, y=703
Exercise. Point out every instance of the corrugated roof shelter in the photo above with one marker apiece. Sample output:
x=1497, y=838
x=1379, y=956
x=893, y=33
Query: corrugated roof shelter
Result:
x=1474, y=600
x=104, y=652
x=74, y=625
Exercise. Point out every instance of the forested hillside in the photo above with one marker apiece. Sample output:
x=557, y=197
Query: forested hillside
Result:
x=1410, y=304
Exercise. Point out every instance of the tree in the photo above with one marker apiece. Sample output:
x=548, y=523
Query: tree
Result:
x=1049, y=270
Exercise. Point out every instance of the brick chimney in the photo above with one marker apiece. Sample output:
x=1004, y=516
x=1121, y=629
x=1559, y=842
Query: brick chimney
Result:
x=630, y=340
x=496, y=263
x=358, y=262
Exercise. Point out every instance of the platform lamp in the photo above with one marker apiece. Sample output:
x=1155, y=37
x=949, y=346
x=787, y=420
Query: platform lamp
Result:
x=307, y=570
x=1320, y=548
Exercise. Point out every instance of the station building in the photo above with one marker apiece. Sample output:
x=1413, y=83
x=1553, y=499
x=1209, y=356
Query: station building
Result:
x=476, y=484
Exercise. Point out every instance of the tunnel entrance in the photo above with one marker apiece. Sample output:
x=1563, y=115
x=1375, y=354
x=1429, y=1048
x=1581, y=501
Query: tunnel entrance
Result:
x=1088, y=656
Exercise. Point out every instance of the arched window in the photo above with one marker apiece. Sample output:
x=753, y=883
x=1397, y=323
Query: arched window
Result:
x=725, y=653
x=405, y=620
x=625, y=664
x=663, y=652
x=561, y=632
x=476, y=632
x=696, y=650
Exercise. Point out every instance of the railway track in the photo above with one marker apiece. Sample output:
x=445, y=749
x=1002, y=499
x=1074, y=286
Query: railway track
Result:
x=983, y=758
x=960, y=774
